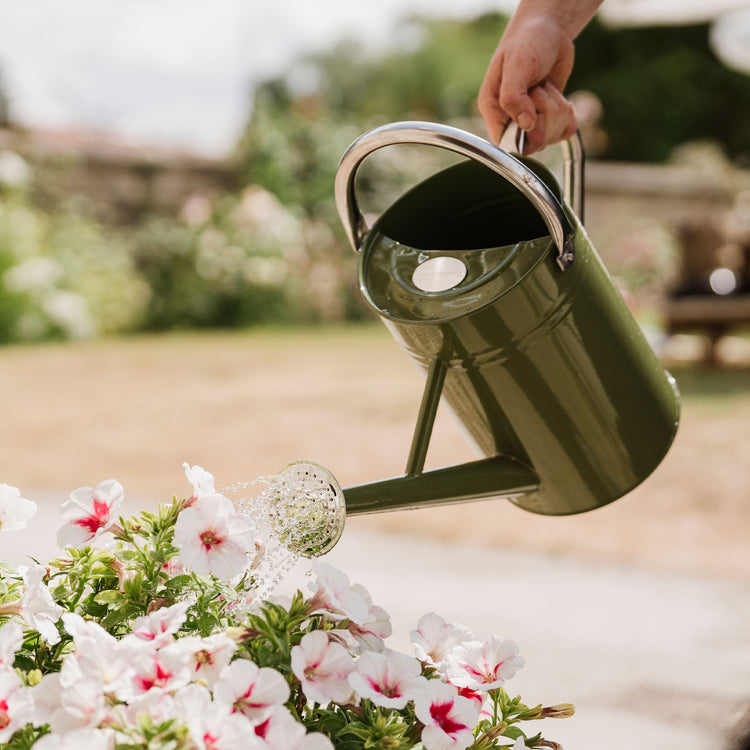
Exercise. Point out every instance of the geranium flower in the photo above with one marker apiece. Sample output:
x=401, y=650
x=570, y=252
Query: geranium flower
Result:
x=89, y=512
x=334, y=595
x=37, y=607
x=67, y=704
x=15, y=511
x=212, y=724
x=281, y=731
x=390, y=680
x=322, y=668
x=375, y=627
x=11, y=639
x=203, y=481
x=164, y=670
x=15, y=703
x=251, y=690
x=434, y=638
x=483, y=666
x=159, y=626
x=207, y=657
x=448, y=718
x=98, y=656
x=213, y=538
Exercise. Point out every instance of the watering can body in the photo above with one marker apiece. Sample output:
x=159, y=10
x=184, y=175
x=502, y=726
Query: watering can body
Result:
x=486, y=278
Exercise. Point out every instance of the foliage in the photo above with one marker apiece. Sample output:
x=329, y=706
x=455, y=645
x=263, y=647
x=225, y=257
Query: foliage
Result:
x=160, y=640
x=661, y=87
x=63, y=276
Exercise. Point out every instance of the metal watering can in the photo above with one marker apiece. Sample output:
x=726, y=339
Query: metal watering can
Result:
x=485, y=276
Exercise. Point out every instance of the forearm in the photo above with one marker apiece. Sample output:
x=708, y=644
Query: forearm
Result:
x=570, y=15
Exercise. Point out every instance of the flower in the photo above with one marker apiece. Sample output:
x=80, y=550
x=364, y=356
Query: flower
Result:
x=159, y=626
x=15, y=511
x=335, y=596
x=434, y=638
x=213, y=538
x=483, y=666
x=89, y=512
x=37, y=607
x=15, y=703
x=208, y=656
x=322, y=668
x=162, y=639
x=11, y=638
x=448, y=718
x=203, y=481
x=390, y=680
x=251, y=690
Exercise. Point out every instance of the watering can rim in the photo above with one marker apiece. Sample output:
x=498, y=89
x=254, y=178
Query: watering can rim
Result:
x=475, y=148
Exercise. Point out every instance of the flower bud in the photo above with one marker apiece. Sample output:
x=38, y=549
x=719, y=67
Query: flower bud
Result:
x=560, y=711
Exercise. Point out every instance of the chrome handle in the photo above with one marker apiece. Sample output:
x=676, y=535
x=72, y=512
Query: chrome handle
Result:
x=460, y=142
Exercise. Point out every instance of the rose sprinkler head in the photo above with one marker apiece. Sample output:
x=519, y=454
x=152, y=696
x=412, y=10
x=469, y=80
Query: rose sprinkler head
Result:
x=305, y=507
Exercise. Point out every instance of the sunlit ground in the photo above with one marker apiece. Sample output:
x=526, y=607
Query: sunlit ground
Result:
x=244, y=404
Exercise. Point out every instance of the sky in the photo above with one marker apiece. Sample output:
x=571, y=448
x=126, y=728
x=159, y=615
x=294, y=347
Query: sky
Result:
x=180, y=72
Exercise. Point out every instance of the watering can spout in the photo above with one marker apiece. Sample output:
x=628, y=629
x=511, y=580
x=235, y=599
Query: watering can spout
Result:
x=498, y=476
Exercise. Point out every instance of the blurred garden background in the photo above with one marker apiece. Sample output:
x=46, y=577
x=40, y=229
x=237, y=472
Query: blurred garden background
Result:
x=175, y=285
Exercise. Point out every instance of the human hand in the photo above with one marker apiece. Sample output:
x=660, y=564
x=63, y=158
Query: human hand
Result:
x=525, y=80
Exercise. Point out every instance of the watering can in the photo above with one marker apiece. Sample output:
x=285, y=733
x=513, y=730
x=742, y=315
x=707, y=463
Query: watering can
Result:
x=485, y=276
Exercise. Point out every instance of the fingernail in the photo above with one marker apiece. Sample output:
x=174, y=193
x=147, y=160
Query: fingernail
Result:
x=525, y=121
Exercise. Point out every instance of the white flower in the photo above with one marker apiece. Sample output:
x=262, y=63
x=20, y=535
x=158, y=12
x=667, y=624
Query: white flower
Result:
x=434, y=638
x=334, y=595
x=213, y=538
x=207, y=657
x=98, y=657
x=37, y=608
x=16, y=703
x=212, y=724
x=89, y=512
x=483, y=666
x=15, y=511
x=159, y=627
x=375, y=627
x=67, y=704
x=203, y=481
x=11, y=638
x=281, y=731
x=251, y=690
x=390, y=680
x=160, y=671
x=323, y=668
x=448, y=718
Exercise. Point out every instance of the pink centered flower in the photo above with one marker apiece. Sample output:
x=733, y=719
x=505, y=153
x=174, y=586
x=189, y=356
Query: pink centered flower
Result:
x=434, y=638
x=335, y=596
x=15, y=703
x=323, y=668
x=251, y=690
x=390, y=680
x=15, y=511
x=483, y=666
x=89, y=512
x=159, y=627
x=448, y=718
x=213, y=538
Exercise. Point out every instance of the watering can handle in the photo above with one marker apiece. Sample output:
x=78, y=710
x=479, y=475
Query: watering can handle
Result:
x=460, y=142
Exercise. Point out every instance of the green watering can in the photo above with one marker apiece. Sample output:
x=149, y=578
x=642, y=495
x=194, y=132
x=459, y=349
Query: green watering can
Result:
x=485, y=276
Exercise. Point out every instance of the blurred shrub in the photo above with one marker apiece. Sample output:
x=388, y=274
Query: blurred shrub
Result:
x=61, y=274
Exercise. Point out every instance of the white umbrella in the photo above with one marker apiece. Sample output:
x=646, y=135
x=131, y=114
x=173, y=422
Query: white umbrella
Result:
x=665, y=12
x=730, y=39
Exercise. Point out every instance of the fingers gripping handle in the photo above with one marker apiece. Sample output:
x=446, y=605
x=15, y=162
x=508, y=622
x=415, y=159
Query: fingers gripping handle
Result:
x=460, y=142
